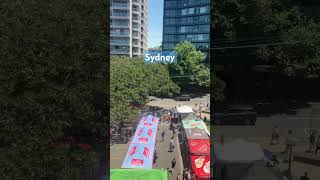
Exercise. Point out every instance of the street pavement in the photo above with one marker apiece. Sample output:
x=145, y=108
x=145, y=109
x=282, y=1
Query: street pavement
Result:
x=164, y=156
x=261, y=134
x=118, y=152
x=169, y=103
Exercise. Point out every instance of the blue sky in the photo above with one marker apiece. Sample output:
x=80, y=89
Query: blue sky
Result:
x=155, y=17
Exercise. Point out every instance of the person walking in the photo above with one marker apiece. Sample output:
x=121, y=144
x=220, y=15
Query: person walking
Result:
x=188, y=175
x=275, y=136
x=170, y=145
x=162, y=135
x=305, y=176
x=312, y=141
x=317, y=146
x=288, y=142
x=184, y=175
x=173, y=163
x=179, y=177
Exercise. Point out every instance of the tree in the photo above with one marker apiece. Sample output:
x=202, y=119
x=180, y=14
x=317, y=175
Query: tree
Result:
x=190, y=63
x=53, y=65
x=131, y=82
x=264, y=21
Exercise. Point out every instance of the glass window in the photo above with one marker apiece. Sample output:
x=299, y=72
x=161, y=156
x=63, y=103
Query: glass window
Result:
x=182, y=29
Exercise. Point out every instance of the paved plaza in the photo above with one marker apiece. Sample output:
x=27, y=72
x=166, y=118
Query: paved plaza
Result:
x=118, y=153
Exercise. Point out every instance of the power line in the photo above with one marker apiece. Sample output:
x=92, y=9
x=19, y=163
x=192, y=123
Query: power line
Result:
x=253, y=46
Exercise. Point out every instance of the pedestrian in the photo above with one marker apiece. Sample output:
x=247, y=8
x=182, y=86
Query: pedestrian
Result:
x=179, y=177
x=275, y=136
x=288, y=142
x=169, y=170
x=317, y=146
x=184, y=175
x=188, y=175
x=171, y=144
x=305, y=176
x=312, y=141
x=173, y=163
x=162, y=135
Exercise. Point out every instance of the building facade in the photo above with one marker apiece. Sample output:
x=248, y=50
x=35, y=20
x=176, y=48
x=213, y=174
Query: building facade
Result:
x=128, y=27
x=186, y=20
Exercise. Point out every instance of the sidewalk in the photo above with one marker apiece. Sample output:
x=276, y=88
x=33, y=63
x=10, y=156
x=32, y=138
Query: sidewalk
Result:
x=165, y=157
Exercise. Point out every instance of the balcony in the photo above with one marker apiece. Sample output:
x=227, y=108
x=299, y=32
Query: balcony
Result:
x=119, y=43
x=121, y=6
x=115, y=34
x=119, y=52
x=136, y=2
x=119, y=25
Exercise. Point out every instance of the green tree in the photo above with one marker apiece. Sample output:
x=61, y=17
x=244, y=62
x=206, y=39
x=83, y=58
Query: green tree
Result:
x=190, y=63
x=132, y=81
x=53, y=61
x=263, y=22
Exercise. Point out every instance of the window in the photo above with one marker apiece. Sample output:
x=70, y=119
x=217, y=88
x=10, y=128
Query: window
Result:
x=182, y=29
x=204, y=9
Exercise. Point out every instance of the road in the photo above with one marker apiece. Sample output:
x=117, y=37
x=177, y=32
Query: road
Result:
x=169, y=103
x=261, y=134
x=164, y=156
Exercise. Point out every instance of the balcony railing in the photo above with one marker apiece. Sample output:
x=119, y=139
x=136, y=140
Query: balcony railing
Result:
x=120, y=5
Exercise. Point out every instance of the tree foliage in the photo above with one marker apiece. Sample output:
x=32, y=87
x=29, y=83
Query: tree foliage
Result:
x=132, y=81
x=53, y=64
x=190, y=62
x=265, y=21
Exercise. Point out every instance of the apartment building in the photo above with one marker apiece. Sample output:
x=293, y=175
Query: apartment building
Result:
x=186, y=20
x=128, y=27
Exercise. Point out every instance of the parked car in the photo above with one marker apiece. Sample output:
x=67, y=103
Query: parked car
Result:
x=236, y=115
x=183, y=98
x=265, y=108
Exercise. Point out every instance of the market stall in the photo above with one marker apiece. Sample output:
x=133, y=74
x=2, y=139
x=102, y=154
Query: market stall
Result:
x=141, y=149
x=201, y=167
x=141, y=174
x=242, y=160
x=197, y=156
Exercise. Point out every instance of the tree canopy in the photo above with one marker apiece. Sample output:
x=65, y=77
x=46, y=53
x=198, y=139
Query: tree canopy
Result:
x=53, y=65
x=261, y=22
x=132, y=81
x=190, y=63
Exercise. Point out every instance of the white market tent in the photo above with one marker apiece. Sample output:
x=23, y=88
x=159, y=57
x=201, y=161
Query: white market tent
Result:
x=243, y=161
x=184, y=110
x=238, y=151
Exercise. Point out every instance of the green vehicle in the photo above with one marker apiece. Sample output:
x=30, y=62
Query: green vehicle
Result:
x=138, y=174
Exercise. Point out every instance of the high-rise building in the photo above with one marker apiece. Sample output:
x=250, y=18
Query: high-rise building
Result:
x=186, y=20
x=128, y=27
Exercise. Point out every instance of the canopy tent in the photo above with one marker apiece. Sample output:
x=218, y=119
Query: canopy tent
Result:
x=145, y=135
x=139, y=156
x=184, y=110
x=188, y=124
x=141, y=149
x=196, y=133
x=201, y=166
x=199, y=146
x=141, y=174
x=238, y=151
x=192, y=121
x=190, y=116
x=149, y=121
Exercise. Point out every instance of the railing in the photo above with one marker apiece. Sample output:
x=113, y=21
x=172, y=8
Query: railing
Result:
x=121, y=5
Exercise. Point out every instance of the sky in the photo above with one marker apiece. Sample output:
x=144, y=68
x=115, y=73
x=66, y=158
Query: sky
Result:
x=155, y=17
